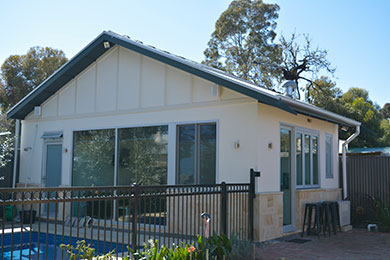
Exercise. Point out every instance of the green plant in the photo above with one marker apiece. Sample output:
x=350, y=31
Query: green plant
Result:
x=219, y=246
x=82, y=251
x=382, y=214
x=153, y=252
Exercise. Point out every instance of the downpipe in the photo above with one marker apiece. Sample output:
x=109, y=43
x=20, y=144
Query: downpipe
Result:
x=344, y=158
x=16, y=151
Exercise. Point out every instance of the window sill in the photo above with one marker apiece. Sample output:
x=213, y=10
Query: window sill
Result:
x=314, y=187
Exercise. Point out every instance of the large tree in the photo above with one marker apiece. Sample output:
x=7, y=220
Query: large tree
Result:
x=22, y=73
x=243, y=42
x=19, y=75
x=355, y=104
x=302, y=62
x=361, y=108
x=386, y=111
x=326, y=95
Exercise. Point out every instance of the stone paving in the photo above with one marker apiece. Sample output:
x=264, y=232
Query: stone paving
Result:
x=357, y=244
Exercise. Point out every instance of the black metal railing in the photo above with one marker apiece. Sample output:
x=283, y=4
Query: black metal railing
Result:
x=35, y=221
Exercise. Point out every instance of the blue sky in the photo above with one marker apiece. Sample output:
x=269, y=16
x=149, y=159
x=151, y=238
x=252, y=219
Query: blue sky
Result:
x=355, y=32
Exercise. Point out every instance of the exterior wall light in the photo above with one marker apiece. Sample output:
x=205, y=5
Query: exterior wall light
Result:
x=106, y=45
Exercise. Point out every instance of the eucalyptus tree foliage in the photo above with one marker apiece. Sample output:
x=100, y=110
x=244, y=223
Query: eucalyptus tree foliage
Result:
x=6, y=149
x=355, y=104
x=22, y=73
x=386, y=111
x=243, y=42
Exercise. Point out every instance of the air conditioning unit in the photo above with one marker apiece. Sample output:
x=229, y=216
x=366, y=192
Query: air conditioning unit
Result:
x=345, y=212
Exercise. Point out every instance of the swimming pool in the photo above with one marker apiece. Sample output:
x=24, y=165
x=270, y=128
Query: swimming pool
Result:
x=53, y=246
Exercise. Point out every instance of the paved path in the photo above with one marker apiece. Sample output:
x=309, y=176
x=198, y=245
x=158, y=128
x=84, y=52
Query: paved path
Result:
x=357, y=244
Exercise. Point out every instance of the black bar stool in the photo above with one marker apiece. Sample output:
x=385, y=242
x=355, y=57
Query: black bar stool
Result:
x=309, y=208
x=326, y=216
x=335, y=215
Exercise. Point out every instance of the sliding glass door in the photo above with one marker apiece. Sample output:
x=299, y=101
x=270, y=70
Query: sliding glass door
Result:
x=285, y=176
x=143, y=155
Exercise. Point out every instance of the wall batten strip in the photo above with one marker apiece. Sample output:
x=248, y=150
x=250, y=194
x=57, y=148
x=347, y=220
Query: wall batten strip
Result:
x=141, y=62
x=117, y=80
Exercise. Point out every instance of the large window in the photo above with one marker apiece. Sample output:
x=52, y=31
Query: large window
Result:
x=93, y=158
x=143, y=155
x=306, y=163
x=196, y=154
x=125, y=156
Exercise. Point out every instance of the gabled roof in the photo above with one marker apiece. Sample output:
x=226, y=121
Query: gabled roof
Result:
x=96, y=48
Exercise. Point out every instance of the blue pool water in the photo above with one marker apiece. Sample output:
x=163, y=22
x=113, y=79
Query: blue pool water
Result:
x=53, y=246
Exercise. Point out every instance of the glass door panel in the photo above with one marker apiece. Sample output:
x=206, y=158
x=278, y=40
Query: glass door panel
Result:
x=298, y=161
x=196, y=153
x=285, y=174
x=207, y=153
x=315, y=159
x=186, y=154
x=307, y=160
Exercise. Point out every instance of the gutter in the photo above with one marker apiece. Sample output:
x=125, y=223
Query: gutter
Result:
x=344, y=158
x=299, y=105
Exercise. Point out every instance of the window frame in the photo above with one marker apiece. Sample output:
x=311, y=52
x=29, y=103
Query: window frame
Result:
x=331, y=176
x=197, y=126
x=311, y=133
x=116, y=146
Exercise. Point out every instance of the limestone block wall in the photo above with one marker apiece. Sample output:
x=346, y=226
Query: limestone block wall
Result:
x=268, y=210
x=268, y=216
x=313, y=195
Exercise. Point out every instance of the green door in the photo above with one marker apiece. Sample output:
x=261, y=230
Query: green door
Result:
x=53, y=169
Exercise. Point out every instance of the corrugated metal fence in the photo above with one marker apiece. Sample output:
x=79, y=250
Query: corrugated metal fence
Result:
x=367, y=176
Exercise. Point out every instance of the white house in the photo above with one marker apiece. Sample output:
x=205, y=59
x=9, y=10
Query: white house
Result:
x=121, y=111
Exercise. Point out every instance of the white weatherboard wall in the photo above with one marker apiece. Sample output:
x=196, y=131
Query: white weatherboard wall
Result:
x=125, y=89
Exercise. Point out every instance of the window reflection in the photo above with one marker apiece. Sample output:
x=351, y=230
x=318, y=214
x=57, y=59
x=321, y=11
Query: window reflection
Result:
x=143, y=155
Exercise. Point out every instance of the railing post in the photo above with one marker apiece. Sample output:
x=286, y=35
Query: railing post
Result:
x=224, y=201
x=251, y=198
x=135, y=216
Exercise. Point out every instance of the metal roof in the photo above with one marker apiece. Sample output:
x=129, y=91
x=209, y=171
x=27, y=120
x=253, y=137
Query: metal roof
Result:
x=95, y=49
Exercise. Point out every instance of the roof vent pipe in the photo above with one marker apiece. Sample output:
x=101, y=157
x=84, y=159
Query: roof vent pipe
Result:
x=290, y=87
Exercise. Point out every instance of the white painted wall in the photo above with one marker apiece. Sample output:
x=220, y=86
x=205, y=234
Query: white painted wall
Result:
x=124, y=89
x=270, y=120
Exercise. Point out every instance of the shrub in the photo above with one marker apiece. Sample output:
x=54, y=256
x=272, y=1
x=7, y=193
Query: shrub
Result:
x=220, y=247
x=83, y=251
x=382, y=215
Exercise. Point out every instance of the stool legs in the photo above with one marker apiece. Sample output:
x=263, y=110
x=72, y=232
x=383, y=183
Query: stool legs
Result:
x=304, y=220
x=328, y=217
x=309, y=220
x=317, y=212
